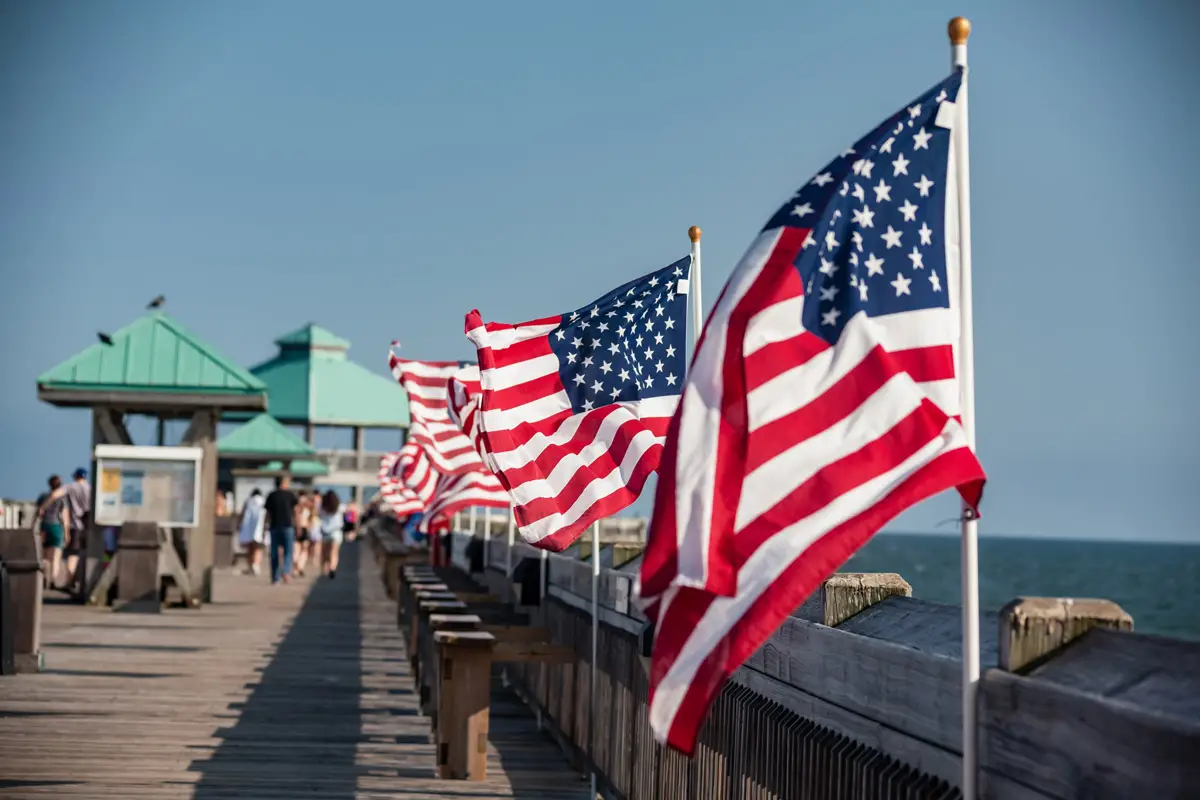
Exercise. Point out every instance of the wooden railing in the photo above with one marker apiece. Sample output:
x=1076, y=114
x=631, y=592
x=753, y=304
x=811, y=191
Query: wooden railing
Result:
x=858, y=695
x=350, y=460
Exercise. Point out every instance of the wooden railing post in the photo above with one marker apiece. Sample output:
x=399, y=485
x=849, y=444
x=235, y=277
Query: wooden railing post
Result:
x=1031, y=628
x=442, y=728
x=424, y=677
x=23, y=560
x=411, y=576
x=465, y=659
x=845, y=594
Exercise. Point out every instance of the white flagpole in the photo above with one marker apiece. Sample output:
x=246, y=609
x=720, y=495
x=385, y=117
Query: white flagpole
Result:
x=694, y=289
x=512, y=540
x=471, y=516
x=595, y=649
x=959, y=30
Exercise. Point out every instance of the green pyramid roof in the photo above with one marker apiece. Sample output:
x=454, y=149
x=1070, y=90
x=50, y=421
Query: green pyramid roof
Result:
x=154, y=355
x=263, y=437
x=312, y=381
x=312, y=335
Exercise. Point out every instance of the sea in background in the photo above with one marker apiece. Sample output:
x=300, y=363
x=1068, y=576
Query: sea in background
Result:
x=1157, y=583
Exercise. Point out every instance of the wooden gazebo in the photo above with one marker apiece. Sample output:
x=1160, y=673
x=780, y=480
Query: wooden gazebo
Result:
x=157, y=368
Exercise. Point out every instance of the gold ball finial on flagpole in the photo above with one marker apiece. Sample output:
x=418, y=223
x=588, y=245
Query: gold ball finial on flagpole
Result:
x=959, y=29
x=694, y=233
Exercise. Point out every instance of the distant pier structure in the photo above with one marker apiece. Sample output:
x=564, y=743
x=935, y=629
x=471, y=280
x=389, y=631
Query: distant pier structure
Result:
x=311, y=383
x=155, y=367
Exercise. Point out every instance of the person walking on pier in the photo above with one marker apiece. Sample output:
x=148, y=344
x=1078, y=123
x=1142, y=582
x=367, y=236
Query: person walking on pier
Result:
x=79, y=507
x=280, y=506
x=350, y=522
x=53, y=520
x=306, y=513
x=332, y=525
x=252, y=529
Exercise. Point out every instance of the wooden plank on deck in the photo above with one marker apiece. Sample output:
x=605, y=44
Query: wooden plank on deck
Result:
x=273, y=692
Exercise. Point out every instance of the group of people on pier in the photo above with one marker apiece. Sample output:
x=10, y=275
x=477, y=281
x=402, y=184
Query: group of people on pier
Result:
x=62, y=517
x=295, y=528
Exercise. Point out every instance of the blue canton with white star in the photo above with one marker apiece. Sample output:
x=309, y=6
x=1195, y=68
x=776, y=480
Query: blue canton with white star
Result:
x=877, y=215
x=628, y=345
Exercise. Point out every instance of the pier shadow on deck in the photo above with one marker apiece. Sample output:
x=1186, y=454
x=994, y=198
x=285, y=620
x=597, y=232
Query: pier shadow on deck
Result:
x=333, y=715
x=298, y=731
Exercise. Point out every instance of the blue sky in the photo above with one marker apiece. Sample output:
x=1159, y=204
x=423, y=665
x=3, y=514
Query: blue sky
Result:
x=383, y=167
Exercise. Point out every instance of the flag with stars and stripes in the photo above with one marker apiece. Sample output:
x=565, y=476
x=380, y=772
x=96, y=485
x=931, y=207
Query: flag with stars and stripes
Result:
x=574, y=407
x=406, y=480
x=459, y=492
x=821, y=403
x=449, y=450
x=463, y=401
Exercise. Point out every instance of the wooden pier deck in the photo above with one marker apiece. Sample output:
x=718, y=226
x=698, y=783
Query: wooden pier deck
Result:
x=279, y=693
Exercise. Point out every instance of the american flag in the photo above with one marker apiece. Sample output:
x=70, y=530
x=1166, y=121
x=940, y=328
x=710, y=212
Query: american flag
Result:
x=463, y=399
x=575, y=407
x=822, y=402
x=450, y=451
x=458, y=492
x=406, y=480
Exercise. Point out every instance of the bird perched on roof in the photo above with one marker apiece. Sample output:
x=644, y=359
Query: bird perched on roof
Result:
x=104, y=338
x=157, y=302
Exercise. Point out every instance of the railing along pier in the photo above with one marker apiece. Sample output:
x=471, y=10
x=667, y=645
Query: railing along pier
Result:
x=856, y=695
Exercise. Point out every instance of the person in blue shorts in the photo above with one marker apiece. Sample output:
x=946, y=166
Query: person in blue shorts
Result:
x=53, y=522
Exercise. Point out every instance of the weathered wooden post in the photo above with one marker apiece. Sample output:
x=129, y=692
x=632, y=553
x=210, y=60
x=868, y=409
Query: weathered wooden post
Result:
x=845, y=594
x=412, y=576
x=422, y=639
x=1032, y=628
x=465, y=667
x=431, y=661
x=138, y=556
x=23, y=560
x=414, y=609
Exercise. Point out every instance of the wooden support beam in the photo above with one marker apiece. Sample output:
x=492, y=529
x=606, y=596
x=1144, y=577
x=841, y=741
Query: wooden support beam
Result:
x=477, y=597
x=169, y=563
x=534, y=653
x=465, y=673
x=514, y=634
x=202, y=433
x=108, y=427
x=1033, y=628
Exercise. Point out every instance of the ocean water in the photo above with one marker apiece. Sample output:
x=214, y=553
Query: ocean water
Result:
x=1158, y=584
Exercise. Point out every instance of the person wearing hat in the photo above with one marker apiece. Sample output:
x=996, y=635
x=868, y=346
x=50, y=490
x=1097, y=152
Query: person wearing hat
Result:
x=79, y=508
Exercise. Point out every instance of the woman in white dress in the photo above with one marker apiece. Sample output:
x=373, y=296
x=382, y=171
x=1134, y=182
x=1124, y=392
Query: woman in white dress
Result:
x=251, y=530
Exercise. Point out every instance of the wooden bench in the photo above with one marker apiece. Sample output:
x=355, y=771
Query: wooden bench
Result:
x=22, y=557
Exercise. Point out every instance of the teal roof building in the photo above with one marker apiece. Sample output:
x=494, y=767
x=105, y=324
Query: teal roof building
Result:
x=152, y=363
x=311, y=382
